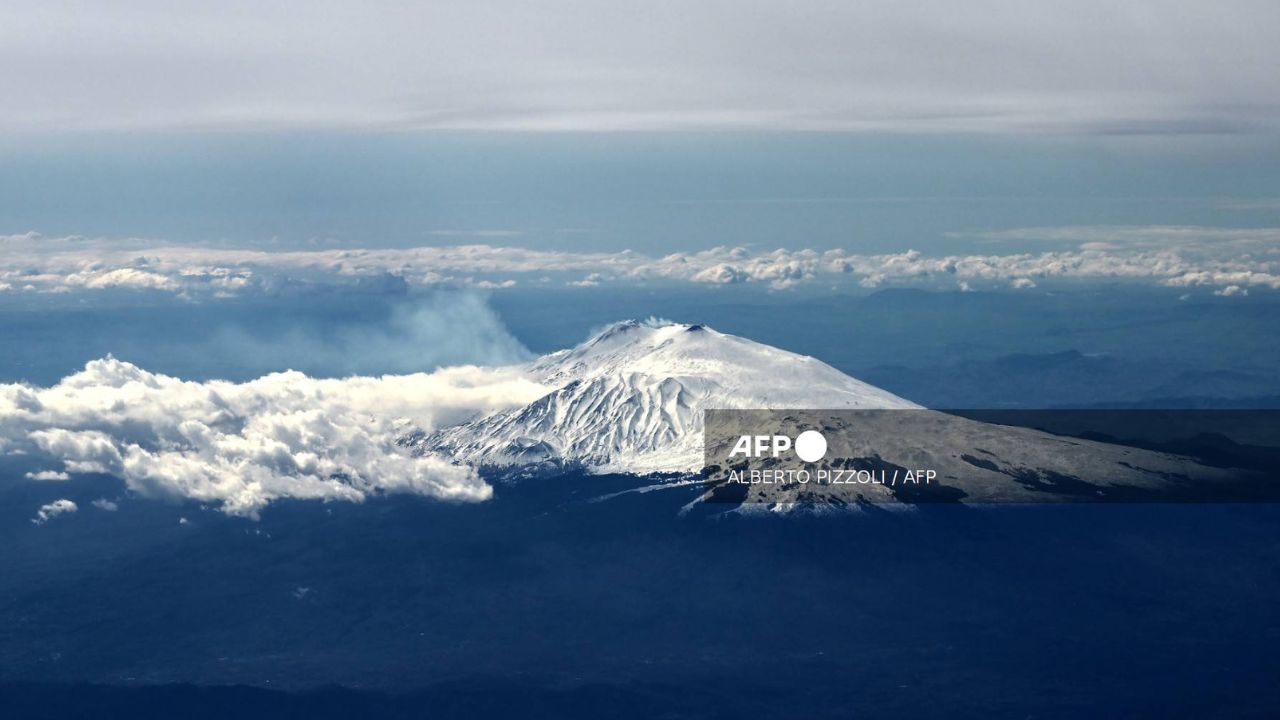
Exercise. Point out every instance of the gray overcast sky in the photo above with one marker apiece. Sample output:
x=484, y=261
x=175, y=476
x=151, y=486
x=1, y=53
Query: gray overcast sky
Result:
x=1110, y=67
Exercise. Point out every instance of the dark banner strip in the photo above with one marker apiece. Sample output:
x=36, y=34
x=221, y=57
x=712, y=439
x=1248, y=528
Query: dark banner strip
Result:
x=844, y=457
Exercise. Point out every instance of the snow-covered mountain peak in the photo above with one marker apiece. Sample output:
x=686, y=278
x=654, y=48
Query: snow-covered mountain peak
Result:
x=631, y=398
x=757, y=374
x=735, y=371
x=611, y=348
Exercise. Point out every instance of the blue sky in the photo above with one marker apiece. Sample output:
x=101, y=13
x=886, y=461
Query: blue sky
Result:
x=647, y=191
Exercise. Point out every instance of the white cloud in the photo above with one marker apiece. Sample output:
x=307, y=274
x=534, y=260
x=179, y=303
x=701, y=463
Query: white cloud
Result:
x=1171, y=255
x=52, y=510
x=105, y=505
x=122, y=278
x=1231, y=291
x=47, y=475
x=721, y=274
x=243, y=445
x=592, y=280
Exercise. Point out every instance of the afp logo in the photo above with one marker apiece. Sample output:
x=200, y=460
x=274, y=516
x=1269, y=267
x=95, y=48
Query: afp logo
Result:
x=810, y=446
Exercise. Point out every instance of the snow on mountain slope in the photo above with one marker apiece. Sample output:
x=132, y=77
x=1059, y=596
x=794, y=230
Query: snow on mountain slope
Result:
x=631, y=398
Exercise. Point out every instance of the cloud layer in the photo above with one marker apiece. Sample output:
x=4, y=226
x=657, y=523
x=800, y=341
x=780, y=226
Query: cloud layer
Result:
x=1175, y=256
x=1143, y=66
x=239, y=446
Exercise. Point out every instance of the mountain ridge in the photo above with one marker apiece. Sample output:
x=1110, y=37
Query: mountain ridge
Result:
x=630, y=399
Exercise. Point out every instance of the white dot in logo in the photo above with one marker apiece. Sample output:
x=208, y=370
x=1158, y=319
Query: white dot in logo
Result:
x=811, y=446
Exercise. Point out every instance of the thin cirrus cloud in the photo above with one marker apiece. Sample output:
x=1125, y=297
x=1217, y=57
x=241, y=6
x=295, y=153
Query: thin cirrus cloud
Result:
x=1117, y=68
x=1151, y=236
x=1175, y=256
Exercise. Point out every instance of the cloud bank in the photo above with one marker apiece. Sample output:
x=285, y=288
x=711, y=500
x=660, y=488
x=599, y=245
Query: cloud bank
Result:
x=1176, y=256
x=240, y=446
x=1142, y=66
